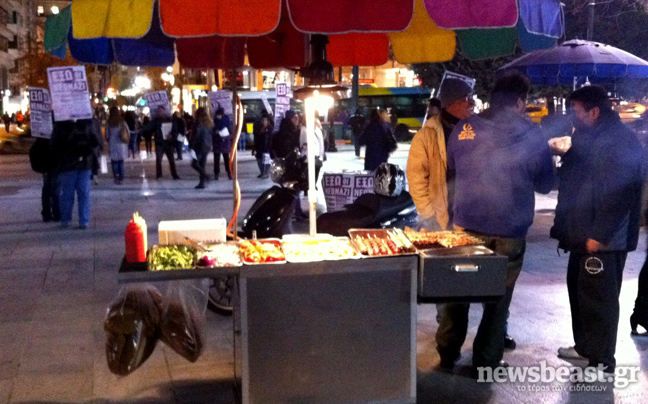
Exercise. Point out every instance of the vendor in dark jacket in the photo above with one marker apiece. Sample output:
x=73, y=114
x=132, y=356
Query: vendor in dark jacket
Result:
x=597, y=221
x=499, y=160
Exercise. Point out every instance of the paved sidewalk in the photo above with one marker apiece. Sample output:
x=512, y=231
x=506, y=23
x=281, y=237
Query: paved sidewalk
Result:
x=55, y=286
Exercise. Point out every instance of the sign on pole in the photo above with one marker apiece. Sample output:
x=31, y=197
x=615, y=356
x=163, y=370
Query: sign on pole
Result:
x=40, y=107
x=221, y=99
x=282, y=102
x=69, y=89
x=158, y=99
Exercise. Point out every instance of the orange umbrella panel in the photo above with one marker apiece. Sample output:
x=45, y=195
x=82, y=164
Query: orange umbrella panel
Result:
x=358, y=49
x=223, y=17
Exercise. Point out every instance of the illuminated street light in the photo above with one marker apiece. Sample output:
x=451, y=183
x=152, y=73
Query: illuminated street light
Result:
x=55, y=10
x=143, y=82
x=169, y=69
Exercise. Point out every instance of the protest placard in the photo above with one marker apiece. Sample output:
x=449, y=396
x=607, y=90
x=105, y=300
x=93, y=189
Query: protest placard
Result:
x=221, y=99
x=40, y=107
x=69, y=93
x=158, y=99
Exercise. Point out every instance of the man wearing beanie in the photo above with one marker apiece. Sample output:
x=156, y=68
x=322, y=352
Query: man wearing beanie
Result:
x=429, y=185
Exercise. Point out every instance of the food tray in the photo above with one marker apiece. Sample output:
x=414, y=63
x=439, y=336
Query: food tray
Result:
x=275, y=241
x=459, y=251
x=221, y=251
x=319, y=250
x=381, y=234
x=154, y=250
x=426, y=240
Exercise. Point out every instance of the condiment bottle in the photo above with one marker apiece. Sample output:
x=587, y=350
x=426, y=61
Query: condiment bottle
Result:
x=136, y=240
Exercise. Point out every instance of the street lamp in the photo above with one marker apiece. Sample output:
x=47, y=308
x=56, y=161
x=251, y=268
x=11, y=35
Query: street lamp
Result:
x=317, y=96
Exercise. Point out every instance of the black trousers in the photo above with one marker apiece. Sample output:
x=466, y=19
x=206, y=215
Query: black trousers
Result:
x=50, y=198
x=488, y=346
x=199, y=165
x=168, y=150
x=642, y=292
x=594, y=285
x=217, y=163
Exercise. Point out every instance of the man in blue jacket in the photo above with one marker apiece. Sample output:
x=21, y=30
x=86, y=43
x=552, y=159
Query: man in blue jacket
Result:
x=597, y=221
x=499, y=159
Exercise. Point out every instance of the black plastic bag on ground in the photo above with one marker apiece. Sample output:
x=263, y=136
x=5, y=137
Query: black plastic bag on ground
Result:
x=132, y=327
x=183, y=317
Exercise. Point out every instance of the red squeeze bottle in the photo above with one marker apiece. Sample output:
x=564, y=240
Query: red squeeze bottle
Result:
x=135, y=246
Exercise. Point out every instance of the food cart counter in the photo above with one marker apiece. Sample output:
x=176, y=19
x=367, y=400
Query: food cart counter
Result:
x=325, y=332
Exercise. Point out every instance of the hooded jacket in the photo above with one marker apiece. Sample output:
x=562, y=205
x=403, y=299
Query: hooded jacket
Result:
x=426, y=172
x=600, y=189
x=500, y=159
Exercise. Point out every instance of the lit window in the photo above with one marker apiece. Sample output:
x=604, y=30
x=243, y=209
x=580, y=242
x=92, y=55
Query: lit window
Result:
x=41, y=10
x=55, y=10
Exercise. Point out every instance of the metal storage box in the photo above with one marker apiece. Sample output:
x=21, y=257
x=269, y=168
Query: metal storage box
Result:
x=468, y=274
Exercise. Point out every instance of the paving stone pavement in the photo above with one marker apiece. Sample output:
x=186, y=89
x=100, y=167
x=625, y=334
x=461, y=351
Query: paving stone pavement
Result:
x=56, y=284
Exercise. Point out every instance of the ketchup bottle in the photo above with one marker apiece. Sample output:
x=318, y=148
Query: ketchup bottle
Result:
x=136, y=240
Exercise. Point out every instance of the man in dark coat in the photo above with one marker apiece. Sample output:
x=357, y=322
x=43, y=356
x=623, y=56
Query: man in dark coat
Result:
x=500, y=160
x=222, y=141
x=162, y=126
x=597, y=221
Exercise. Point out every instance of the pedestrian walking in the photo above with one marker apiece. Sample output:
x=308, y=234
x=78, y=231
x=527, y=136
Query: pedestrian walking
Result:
x=597, y=221
x=222, y=142
x=286, y=139
x=201, y=144
x=97, y=127
x=20, y=119
x=358, y=124
x=133, y=124
x=378, y=139
x=6, y=119
x=179, y=133
x=74, y=144
x=118, y=137
x=147, y=133
x=161, y=127
x=499, y=159
x=262, y=139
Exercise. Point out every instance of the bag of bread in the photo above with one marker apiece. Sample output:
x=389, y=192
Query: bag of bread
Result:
x=132, y=327
x=183, y=317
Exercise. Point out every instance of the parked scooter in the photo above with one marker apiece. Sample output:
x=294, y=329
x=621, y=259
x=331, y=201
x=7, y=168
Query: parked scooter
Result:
x=272, y=213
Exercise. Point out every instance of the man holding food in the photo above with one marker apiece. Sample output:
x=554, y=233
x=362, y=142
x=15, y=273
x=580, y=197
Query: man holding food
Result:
x=498, y=159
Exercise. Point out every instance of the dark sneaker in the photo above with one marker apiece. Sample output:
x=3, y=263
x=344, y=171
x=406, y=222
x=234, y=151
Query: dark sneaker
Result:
x=509, y=343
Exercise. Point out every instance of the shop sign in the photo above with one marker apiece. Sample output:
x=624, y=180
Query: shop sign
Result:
x=69, y=90
x=343, y=188
x=158, y=99
x=221, y=99
x=40, y=107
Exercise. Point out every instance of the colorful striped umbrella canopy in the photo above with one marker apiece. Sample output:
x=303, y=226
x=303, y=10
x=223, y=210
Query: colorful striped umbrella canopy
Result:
x=273, y=33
